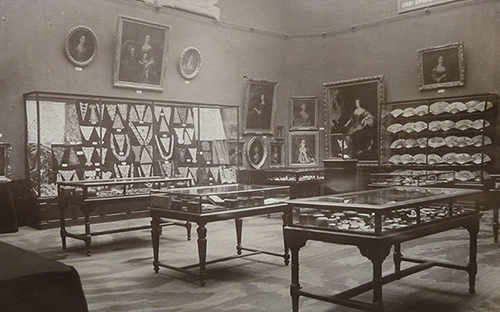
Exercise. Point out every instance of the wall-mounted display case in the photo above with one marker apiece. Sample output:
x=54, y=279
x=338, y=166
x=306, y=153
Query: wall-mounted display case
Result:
x=409, y=177
x=205, y=199
x=74, y=137
x=455, y=133
x=381, y=211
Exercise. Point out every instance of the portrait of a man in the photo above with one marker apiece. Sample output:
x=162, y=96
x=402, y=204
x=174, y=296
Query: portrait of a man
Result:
x=276, y=154
x=140, y=54
x=260, y=107
x=256, y=152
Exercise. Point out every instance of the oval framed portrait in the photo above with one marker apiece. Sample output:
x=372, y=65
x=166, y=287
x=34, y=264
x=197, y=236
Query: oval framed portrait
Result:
x=256, y=152
x=190, y=63
x=80, y=47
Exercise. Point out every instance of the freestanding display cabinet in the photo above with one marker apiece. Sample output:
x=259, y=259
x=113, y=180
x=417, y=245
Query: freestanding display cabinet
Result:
x=205, y=204
x=374, y=221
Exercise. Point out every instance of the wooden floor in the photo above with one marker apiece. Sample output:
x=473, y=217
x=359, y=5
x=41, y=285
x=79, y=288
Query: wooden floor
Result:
x=119, y=275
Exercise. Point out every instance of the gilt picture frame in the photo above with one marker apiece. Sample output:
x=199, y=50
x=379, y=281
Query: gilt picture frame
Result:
x=303, y=149
x=141, y=54
x=441, y=66
x=190, y=63
x=304, y=113
x=256, y=152
x=260, y=107
x=80, y=46
x=276, y=154
x=351, y=112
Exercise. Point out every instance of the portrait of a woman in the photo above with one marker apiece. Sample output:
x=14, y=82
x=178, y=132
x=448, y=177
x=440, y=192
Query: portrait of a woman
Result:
x=303, y=112
x=441, y=67
x=303, y=148
x=359, y=129
x=440, y=72
x=81, y=46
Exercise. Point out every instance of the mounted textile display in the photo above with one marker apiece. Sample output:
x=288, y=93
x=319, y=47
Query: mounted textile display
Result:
x=83, y=137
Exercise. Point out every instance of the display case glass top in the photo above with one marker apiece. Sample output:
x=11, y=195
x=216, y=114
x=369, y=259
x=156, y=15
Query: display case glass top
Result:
x=385, y=198
x=408, y=177
x=381, y=211
x=123, y=187
x=219, y=198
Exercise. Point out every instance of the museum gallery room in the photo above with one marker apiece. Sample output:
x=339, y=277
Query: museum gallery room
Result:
x=249, y=155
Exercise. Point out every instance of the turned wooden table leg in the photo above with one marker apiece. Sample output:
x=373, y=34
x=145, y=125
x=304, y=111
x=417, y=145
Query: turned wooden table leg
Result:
x=239, y=229
x=155, y=238
x=397, y=257
x=62, y=223
x=202, y=251
x=88, y=236
x=287, y=219
x=295, y=243
x=472, y=266
x=377, y=254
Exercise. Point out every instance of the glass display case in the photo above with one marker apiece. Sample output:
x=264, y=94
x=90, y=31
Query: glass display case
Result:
x=205, y=199
x=74, y=137
x=295, y=174
x=377, y=222
x=408, y=177
x=381, y=211
x=454, y=133
x=83, y=190
x=5, y=170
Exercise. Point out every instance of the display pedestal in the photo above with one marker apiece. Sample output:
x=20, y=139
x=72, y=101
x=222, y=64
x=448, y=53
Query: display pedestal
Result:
x=340, y=175
x=8, y=221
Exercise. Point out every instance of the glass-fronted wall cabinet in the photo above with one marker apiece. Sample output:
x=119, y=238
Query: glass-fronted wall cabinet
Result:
x=73, y=137
x=455, y=133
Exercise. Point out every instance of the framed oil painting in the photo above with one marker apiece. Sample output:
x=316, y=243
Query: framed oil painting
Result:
x=303, y=149
x=141, y=52
x=441, y=67
x=351, y=113
x=276, y=155
x=256, y=152
x=260, y=107
x=279, y=134
x=235, y=151
x=190, y=63
x=303, y=113
x=80, y=46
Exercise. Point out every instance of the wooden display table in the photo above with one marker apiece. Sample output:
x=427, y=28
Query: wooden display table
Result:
x=203, y=205
x=374, y=221
x=91, y=195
